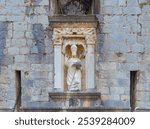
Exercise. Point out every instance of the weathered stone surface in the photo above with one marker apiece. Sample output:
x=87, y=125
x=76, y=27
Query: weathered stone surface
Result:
x=123, y=45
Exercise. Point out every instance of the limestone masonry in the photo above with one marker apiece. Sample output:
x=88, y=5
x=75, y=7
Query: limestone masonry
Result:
x=112, y=35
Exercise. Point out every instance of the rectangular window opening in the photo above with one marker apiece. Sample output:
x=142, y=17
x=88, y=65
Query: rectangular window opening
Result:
x=133, y=83
x=18, y=91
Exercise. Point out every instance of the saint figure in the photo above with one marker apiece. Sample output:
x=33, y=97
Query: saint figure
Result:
x=73, y=70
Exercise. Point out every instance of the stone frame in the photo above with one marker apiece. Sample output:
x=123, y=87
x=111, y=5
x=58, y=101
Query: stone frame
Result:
x=84, y=30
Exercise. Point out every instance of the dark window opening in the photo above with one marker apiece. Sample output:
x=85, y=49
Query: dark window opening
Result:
x=133, y=83
x=18, y=91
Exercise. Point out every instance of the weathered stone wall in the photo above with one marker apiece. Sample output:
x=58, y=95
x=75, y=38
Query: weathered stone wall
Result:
x=122, y=46
x=25, y=45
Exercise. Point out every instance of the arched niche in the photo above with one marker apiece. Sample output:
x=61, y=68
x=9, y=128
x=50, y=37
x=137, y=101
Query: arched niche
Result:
x=74, y=7
x=84, y=36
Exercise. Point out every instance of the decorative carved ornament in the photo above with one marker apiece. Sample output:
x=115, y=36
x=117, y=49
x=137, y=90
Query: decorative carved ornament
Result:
x=89, y=34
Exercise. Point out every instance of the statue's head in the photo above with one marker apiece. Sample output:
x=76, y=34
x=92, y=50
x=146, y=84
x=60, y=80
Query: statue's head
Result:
x=74, y=50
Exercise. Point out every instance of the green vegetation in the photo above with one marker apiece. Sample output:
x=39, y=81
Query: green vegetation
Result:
x=143, y=4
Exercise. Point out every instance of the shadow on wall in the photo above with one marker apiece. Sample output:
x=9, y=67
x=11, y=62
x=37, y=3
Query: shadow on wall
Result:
x=38, y=34
x=3, y=34
x=38, y=47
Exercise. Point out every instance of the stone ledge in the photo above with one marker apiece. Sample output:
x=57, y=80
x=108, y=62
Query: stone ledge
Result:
x=67, y=95
x=75, y=99
x=60, y=21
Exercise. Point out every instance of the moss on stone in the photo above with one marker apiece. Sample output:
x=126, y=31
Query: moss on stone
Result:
x=143, y=4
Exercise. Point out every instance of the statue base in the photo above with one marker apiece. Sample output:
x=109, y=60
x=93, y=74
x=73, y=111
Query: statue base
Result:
x=75, y=100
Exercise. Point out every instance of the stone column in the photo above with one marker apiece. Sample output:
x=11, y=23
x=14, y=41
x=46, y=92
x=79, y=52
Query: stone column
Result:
x=53, y=7
x=90, y=63
x=58, y=63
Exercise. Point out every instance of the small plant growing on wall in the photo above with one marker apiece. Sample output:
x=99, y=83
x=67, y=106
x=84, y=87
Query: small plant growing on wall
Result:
x=28, y=2
x=144, y=4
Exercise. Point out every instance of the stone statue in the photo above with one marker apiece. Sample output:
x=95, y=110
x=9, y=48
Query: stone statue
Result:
x=73, y=70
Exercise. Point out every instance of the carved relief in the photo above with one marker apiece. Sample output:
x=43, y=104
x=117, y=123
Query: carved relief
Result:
x=73, y=7
x=75, y=31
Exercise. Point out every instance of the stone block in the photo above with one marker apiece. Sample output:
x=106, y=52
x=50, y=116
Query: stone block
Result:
x=117, y=90
x=146, y=9
x=19, y=26
x=44, y=2
x=41, y=67
x=144, y=17
x=43, y=19
x=20, y=59
x=132, y=19
x=3, y=79
x=39, y=75
x=13, y=51
x=136, y=28
x=143, y=96
x=21, y=66
x=40, y=10
x=116, y=103
x=104, y=90
x=2, y=18
x=125, y=97
x=51, y=77
x=18, y=35
x=117, y=10
x=124, y=82
x=35, y=58
x=110, y=3
x=137, y=48
x=2, y=2
x=15, y=18
x=24, y=50
x=129, y=66
x=131, y=38
x=143, y=104
x=34, y=50
x=132, y=57
x=29, y=35
x=107, y=10
x=122, y=3
x=108, y=66
x=38, y=34
x=132, y=3
x=18, y=42
x=132, y=10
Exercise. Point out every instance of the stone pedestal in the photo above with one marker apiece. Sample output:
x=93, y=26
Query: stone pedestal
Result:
x=77, y=100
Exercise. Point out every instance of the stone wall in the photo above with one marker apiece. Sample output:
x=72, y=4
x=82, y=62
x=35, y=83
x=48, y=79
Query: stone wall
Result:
x=122, y=46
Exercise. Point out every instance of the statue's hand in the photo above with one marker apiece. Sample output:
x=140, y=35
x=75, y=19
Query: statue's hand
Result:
x=78, y=65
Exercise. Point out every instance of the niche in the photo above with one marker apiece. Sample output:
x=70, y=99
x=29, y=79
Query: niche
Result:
x=74, y=7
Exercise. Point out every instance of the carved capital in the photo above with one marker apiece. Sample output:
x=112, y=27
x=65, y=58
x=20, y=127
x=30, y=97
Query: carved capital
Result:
x=90, y=39
x=57, y=39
